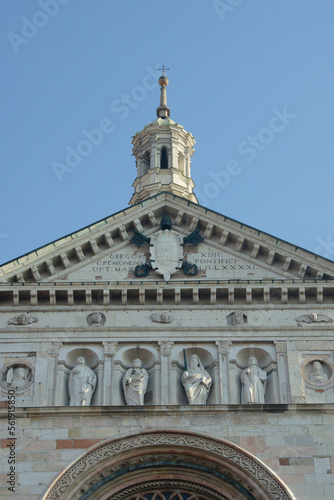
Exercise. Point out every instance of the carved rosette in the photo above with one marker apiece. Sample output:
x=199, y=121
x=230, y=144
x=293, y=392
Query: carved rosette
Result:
x=166, y=252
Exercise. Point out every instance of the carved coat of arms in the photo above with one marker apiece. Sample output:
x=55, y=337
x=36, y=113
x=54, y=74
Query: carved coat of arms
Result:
x=166, y=252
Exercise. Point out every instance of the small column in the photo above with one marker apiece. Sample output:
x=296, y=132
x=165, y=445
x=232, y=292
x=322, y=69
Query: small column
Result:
x=283, y=381
x=165, y=372
x=110, y=349
x=153, y=158
x=170, y=158
x=223, y=353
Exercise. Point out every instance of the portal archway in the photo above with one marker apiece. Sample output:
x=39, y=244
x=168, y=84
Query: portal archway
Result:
x=167, y=465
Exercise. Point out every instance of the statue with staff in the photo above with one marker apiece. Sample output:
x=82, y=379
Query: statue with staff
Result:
x=196, y=381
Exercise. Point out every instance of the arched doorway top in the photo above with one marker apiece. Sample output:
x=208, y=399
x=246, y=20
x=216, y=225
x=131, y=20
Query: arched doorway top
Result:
x=122, y=467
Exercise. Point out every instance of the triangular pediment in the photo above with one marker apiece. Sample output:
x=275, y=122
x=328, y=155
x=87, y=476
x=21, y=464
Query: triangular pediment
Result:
x=230, y=250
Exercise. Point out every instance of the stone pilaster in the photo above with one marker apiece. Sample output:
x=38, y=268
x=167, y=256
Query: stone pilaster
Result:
x=109, y=387
x=52, y=365
x=165, y=372
x=223, y=354
x=283, y=376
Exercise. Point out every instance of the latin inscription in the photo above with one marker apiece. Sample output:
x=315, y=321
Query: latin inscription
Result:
x=217, y=261
x=119, y=262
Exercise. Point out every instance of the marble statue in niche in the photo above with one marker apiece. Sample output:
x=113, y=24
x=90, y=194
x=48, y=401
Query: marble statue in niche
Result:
x=18, y=377
x=22, y=319
x=81, y=384
x=196, y=382
x=96, y=319
x=135, y=384
x=318, y=376
x=253, y=381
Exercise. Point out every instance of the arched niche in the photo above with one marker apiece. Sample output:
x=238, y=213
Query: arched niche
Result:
x=90, y=356
x=211, y=468
x=67, y=361
x=124, y=361
x=207, y=361
x=239, y=362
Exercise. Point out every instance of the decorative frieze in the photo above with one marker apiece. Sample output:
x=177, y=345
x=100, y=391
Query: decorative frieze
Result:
x=219, y=293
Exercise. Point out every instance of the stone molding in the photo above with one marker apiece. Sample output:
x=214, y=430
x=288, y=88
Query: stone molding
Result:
x=92, y=411
x=123, y=454
x=259, y=292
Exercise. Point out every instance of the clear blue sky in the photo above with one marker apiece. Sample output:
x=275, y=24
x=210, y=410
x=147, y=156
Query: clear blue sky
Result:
x=252, y=81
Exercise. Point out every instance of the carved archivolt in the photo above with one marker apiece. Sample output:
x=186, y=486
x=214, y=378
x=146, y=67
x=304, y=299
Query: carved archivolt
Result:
x=112, y=469
x=176, y=490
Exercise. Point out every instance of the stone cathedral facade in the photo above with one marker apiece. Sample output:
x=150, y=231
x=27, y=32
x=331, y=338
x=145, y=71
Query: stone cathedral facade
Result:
x=167, y=352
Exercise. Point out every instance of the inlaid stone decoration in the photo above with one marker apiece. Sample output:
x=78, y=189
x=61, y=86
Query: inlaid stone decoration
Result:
x=22, y=319
x=236, y=318
x=96, y=319
x=17, y=376
x=314, y=318
x=164, y=317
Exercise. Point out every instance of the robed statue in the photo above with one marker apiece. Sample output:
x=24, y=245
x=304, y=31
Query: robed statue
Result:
x=81, y=384
x=253, y=381
x=135, y=384
x=196, y=381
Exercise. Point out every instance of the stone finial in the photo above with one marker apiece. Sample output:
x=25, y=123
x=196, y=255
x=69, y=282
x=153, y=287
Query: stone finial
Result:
x=163, y=110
